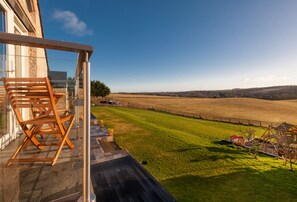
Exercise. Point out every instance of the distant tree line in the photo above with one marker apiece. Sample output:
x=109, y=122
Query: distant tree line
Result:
x=98, y=89
x=267, y=93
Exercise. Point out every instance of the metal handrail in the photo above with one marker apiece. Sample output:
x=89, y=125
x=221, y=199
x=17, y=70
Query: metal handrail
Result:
x=16, y=39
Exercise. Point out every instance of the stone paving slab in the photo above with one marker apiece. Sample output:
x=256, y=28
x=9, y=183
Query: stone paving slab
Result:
x=98, y=155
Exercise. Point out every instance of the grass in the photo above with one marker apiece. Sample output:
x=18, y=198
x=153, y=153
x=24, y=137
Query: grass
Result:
x=189, y=159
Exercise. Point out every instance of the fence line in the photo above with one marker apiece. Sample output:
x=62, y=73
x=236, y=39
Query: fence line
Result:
x=247, y=122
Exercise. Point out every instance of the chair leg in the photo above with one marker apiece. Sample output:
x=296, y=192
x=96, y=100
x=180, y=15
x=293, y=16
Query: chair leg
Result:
x=17, y=151
x=65, y=139
x=58, y=136
x=30, y=135
x=68, y=142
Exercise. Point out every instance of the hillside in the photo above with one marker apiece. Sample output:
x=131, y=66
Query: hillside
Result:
x=268, y=93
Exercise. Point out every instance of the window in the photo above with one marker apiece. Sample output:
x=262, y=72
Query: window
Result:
x=3, y=109
x=2, y=46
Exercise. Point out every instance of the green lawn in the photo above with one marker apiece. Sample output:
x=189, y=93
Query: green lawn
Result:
x=189, y=159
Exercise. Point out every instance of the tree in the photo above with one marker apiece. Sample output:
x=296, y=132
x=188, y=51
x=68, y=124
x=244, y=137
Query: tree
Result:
x=99, y=89
x=283, y=140
x=254, y=143
x=286, y=147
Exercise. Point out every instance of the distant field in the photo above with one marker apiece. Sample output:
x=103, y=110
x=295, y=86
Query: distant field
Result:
x=238, y=108
x=189, y=159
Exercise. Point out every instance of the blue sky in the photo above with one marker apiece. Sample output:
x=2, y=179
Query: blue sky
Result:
x=175, y=45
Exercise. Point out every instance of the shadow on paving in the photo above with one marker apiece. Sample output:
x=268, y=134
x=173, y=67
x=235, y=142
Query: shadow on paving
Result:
x=124, y=179
x=41, y=182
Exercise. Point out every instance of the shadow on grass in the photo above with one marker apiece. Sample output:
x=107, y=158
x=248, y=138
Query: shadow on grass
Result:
x=225, y=144
x=221, y=142
x=224, y=147
x=245, y=184
x=188, y=148
x=226, y=150
x=212, y=158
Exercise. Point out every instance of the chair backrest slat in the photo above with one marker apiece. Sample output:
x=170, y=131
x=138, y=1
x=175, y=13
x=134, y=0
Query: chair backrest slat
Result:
x=34, y=93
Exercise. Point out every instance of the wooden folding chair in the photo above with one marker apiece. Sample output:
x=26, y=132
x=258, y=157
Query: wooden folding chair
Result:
x=37, y=95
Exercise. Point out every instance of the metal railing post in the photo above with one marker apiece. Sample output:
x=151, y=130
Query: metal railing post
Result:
x=76, y=97
x=87, y=197
x=86, y=128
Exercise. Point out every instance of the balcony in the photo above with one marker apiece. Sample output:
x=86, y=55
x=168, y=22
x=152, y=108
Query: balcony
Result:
x=116, y=175
x=24, y=181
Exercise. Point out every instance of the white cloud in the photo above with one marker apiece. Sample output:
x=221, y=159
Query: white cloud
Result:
x=284, y=78
x=71, y=23
x=265, y=78
x=268, y=79
x=246, y=79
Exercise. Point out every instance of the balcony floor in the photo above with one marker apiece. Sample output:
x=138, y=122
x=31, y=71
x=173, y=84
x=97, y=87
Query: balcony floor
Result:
x=40, y=181
x=116, y=176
